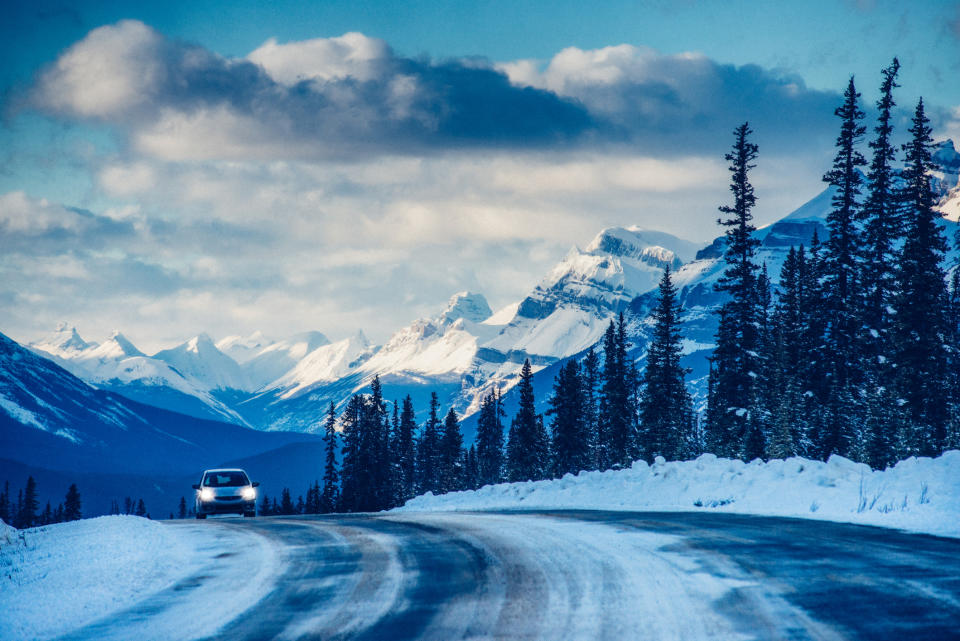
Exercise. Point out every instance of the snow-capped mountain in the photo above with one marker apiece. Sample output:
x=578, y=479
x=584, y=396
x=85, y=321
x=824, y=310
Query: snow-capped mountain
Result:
x=118, y=365
x=570, y=308
x=325, y=364
x=51, y=419
x=277, y=358
x=200, y=359
x=243, y=348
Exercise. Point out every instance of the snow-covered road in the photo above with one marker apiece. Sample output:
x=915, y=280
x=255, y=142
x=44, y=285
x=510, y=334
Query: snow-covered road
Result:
x=551, y=575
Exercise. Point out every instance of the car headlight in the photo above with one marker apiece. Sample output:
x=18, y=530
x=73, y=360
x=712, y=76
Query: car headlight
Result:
x=206, y=494
x=248, y=493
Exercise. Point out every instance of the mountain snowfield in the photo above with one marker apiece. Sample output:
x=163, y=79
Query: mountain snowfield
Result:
x=466, y=349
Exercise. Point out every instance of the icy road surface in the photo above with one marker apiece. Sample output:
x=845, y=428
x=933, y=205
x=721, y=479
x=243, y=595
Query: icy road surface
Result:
x=568, y=575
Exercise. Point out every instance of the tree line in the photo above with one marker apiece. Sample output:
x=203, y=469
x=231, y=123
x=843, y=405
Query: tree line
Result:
x=25, y=512
x=857, y=352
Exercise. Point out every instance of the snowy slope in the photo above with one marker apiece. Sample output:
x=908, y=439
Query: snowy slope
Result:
x=275, y=359
x=918, y=494
x=324, y=364
x=243, y=348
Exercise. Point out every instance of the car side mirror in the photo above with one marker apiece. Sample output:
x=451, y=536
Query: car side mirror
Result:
x=255, y=484
x=196, y=486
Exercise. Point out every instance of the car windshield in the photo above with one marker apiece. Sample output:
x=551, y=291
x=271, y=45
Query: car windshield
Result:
x=225, y=479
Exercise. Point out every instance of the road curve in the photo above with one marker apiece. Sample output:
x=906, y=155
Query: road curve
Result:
x=587, y=575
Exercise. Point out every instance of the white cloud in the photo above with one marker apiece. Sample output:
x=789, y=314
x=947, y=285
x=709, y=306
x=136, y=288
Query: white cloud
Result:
x=125, y=180
x=114, y=69
x=350, y=55
x=21, y=214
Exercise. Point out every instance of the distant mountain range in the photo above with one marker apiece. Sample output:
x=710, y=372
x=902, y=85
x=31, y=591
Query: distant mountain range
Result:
x=463, y=351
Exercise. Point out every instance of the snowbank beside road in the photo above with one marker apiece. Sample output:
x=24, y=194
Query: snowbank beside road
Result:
x=918, y=494
x=57, y=578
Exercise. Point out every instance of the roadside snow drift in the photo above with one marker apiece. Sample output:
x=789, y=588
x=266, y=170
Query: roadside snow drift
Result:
x=57, y=578
x=918, y=494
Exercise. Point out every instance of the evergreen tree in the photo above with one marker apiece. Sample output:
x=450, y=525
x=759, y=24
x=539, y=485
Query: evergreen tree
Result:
x=299, y=507
x=72, y=504
x=490, y=440
x=141, y=508
x=471, y=470
x=734, y=365
x=451, y=454
x=525, y=449
x=286, y=504
x=406, y=454
x=46, y=516
x=428, y=450
x=327, y=501
x=265, y=506
x=591, y=379
x=666, y=409
x=843, y=342
x=128, y=505
x=352, y=470
x=28, y=505
x=882, y=220
x=568, y=426
x=182, y=508
x=617, y=442
x=920, y=329
x=382, y=494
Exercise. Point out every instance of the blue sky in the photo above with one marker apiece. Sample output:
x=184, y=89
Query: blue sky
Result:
x=170, y=168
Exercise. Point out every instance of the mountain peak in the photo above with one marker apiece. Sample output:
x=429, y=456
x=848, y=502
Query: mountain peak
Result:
x=64, y=338
x=468, y=306
x=126, y=347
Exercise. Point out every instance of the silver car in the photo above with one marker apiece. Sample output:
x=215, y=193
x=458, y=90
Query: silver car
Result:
x=226, y=491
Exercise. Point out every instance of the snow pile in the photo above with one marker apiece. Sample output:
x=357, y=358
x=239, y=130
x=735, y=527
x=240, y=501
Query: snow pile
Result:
x=918, y=494
x=56, y=578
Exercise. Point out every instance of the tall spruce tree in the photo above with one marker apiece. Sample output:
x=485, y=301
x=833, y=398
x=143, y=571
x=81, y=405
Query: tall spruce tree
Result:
x=590, y=372
x=883, y=231
x=28, y=505
x=841, y=284
x=451, y=454
x=568, y=426
x=734, y=365
x=920, y=327
x=328, y=500
x=666, y=409
x=351, y=468
x=490, y=440
x=428, y=450
x=526, y=453
x=72, y=504
x=617, y=429
x=406, y=454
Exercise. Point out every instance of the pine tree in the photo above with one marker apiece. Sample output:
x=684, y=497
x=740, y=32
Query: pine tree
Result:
x=286, y=503
x=141, y=508
x=71, y=504
x=451, y=454
x=299, y=507
x=591, y=379
x=351, y=471
x=428, y=450
x=471, y=470
x=570, y=447
x=265, y=506
x=617, y=438
x=406, y=454
x=666, y=409
x=182, y=508
x=841, y=282
x=920, y=330
x=734, y=365
x=328, y=500
x=490, y=440
x=28, y=505
x=525, y=450
x=381, y=494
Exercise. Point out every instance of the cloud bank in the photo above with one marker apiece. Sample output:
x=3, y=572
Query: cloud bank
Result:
x=352, y=96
